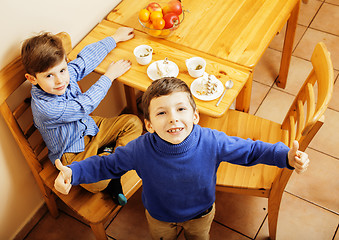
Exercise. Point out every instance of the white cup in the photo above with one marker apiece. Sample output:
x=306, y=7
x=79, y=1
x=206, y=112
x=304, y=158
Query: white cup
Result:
x=196, y=66
x=143, y=54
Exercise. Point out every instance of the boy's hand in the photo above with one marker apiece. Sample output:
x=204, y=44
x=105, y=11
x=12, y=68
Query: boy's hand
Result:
x=116, y=69
x=298, y=159
x=63, y=181
x=123, y=34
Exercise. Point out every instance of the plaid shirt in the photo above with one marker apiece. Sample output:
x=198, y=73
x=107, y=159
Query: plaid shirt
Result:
x=64, y=120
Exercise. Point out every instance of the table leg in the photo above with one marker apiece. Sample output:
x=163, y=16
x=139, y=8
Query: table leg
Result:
x=288, y=46
x=131, y=100
x=244, y=98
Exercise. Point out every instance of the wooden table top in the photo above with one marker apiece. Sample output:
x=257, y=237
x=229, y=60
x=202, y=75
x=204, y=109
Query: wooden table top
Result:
x=236, y=30
x=137, y=77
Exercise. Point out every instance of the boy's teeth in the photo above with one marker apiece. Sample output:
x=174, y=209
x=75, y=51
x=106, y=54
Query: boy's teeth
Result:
x=174, y=130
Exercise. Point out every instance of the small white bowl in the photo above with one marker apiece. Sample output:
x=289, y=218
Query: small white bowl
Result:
x=196, y=66
x=143, y=54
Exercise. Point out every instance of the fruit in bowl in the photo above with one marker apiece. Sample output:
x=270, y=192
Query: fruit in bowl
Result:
x=161, y=19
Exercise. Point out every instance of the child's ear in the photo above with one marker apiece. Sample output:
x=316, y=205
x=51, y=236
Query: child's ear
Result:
x=149, y=126
x=31, y=78
x=196, y=117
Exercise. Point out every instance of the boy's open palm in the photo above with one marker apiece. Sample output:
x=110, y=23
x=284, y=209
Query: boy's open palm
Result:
x=63, y=181
x=298, y=159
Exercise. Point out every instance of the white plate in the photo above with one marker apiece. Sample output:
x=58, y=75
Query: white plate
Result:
x=215, y=95
x=153, y=74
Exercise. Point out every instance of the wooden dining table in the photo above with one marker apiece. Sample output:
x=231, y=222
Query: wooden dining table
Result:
x=137, y=78
x=238, y=31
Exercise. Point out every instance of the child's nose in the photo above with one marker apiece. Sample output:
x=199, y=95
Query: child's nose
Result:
x=173, y=118
x=57, y=79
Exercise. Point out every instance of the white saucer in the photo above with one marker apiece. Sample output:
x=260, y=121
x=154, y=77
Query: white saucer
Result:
x=215, y=95
x=152, y=70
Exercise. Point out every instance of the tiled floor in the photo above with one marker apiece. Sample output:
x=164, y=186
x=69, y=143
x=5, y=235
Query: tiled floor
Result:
x=310, y=205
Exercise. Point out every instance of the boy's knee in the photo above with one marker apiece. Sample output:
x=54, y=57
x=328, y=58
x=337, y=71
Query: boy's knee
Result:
x=133, y=121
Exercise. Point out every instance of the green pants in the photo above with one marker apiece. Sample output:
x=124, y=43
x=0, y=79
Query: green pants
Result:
x=120, y=130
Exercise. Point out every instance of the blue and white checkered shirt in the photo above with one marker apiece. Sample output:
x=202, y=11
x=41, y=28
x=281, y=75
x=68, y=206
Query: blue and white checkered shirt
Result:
x=64, y=120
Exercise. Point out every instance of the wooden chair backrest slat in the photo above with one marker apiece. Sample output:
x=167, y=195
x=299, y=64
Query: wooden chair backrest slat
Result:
x=322, y=75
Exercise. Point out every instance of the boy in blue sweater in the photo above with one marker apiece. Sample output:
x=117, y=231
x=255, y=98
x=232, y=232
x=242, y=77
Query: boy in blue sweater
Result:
x=61, y=111
x=177, y=161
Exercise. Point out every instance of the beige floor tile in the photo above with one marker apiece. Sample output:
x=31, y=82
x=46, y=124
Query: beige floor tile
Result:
x=131, y=221
x=327, y=19
x=219, y=232
x=311, y=38
x=307, y=12
x=267, y=68
x=335, y=2
x=242, y=213
x=299, y=219
x=334, y=104
x=63, y=227
x=278, y=41
x=320, y=183
x=275, y=105
x=259, y=91
x=326, y=140
x=297, y=74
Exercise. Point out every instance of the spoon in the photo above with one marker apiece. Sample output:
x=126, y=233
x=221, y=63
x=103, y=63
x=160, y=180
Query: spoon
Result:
x=228, y=85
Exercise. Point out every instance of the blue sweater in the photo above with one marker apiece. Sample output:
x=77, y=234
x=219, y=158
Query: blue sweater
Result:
x=178, y=180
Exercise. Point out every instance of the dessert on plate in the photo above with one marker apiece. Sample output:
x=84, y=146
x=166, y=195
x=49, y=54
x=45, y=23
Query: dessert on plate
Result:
x=208, y=85
x=164, y=69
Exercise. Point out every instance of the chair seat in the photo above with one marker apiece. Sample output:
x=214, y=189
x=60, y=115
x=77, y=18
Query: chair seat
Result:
x=92, y=208
x=240, y=179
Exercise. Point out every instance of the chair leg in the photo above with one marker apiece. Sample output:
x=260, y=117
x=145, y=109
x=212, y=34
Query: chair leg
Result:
x=273, y=213
x=51, y=205
x=99, y=231
x=274, y=201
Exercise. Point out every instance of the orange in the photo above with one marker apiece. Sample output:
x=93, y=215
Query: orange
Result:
x=144, y=15
x=156, y=14
x=153, y=31
x=158, y=23
x=165, y=32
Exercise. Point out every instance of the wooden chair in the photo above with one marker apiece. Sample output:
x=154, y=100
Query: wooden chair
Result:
x=93, y=209
x=302, y=122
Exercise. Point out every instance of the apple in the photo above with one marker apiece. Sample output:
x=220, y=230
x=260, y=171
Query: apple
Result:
x=175, y=7
x=153, y=6
x=171, y=19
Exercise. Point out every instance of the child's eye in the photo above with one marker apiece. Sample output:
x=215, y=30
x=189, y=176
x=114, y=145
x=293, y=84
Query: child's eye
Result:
x=49, y=76
x=181, y=109
x=62, y=70
x=160, y=113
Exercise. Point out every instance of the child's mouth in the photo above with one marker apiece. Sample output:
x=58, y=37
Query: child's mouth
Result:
x=175, y=130
x=60, y=88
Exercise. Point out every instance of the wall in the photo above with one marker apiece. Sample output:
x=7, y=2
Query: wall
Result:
x=19, y=195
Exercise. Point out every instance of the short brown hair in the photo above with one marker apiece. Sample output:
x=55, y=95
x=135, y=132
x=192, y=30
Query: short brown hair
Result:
x=163, y=87
x=41, y=52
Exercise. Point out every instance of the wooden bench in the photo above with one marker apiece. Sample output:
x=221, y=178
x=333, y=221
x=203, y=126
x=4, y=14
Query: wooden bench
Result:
x=93, y=209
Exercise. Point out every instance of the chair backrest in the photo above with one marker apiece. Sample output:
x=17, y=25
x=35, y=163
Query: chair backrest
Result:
x=305, y=115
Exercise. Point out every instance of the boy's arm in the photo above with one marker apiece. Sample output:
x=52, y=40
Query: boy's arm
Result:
x=96, y=168
x=93, y=54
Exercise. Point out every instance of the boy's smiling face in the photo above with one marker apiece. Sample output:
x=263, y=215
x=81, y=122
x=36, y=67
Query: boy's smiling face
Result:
x=172, y=117
x=54, y=81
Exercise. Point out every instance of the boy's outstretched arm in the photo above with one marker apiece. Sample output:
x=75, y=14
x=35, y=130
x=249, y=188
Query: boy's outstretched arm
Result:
x=123, y=34
x=298, y=159
x=63, y=181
